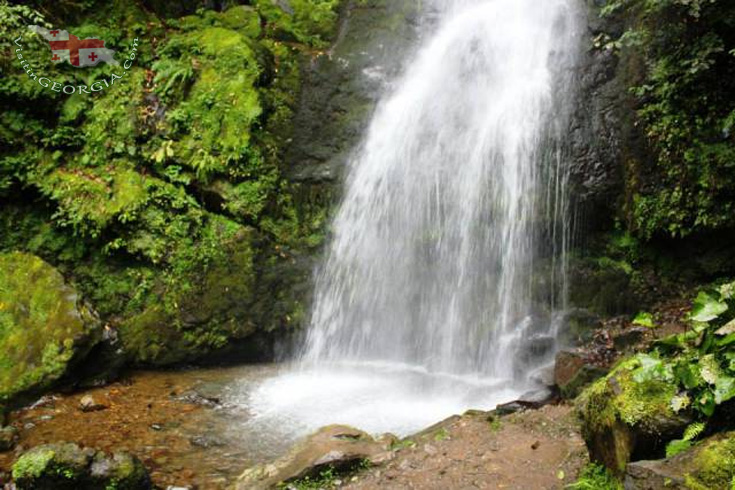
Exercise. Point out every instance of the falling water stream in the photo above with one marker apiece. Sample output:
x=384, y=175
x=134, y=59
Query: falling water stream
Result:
x=446, y=268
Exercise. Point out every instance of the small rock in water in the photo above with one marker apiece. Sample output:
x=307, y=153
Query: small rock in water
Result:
x=206, y=441
x=196, y=398
x=89, y=404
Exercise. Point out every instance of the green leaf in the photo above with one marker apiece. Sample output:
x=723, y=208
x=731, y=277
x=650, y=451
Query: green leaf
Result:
x=677, y=446
x=651, y=368
x=706, y=308
x=644, y=319
x=710, y=369
x=707, y=404
x=689, y=375
x=727, y=291
x=680, y=402
x=727, y=340
x=694, y=430
x=724, y=389
x=728, y=329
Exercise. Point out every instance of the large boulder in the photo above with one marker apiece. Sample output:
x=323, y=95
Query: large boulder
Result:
x=45, y=328
x=708, y=465
x=625, y=419
x=335, y=446
x=66, y=466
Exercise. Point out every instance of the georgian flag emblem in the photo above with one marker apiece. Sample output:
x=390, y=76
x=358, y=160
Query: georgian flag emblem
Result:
x=77, y=52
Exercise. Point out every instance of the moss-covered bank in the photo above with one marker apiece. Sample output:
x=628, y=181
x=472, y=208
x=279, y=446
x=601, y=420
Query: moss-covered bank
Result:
x=162, y=199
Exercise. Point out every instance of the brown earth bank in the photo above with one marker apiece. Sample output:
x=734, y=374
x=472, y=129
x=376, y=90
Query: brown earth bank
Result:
x=534, y=449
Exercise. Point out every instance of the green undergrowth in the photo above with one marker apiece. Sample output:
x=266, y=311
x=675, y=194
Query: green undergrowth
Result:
x=171, y=181
x=682, y=62
x=715, y=466
x=327, y=478
x=595, y=477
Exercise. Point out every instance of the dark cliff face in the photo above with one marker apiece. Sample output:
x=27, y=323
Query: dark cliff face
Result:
x=599, y=125
x=342, y=86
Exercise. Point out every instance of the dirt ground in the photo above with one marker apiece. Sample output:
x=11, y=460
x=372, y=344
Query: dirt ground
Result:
x=532, y=450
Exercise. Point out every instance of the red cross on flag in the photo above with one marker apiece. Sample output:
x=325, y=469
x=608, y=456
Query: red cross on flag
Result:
x=77, y=52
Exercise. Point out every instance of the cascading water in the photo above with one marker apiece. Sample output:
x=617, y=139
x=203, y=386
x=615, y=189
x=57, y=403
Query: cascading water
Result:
x=446, y=264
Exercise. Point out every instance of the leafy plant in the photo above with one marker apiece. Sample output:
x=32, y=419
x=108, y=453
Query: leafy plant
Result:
x=680, y=445
x=644, y=319
x=700, y=361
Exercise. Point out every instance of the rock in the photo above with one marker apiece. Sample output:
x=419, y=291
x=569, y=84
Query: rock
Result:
x=89, y=404
x=334, y=446
x=66, y=466
x=8, y=438
x=709, y=464
x=544, y=375
x=206, y=441
x=197, y=398
x=47, y=329
x=536, y=347
x=577, y=327
x=572, y=373
x=531, y=400
x=623, y=419
x=629, y=337
x=539, y=398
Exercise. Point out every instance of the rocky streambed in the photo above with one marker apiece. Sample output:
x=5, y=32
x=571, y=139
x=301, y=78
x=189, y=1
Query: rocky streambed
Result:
x=183, y=425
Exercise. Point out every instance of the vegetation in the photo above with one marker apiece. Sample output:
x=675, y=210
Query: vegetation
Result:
x=595, y=477
x=686, y=111
x=328, y=478
x=701, y=361
x=164, y=210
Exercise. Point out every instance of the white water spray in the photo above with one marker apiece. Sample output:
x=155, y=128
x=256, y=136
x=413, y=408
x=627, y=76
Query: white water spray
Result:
x=447, y=260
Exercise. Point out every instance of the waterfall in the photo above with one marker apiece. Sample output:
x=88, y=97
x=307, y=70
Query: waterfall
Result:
x=446, y=263
x=455, y=193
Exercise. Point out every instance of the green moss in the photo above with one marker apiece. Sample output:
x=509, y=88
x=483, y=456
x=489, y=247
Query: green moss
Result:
x=616, y=407
x=33, y=464
x=715, y=466
x=163, y=210
x=43, y=326
x=66, y=466
x=618, y=396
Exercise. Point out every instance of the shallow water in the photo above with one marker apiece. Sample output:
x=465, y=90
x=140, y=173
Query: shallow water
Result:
x=204, y=427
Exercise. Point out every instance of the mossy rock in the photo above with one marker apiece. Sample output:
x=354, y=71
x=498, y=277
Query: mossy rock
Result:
x=706, y=466
x=66, y=466
x=44, y=326
x=602, y=285
x=624, y=420
x=205, y=311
